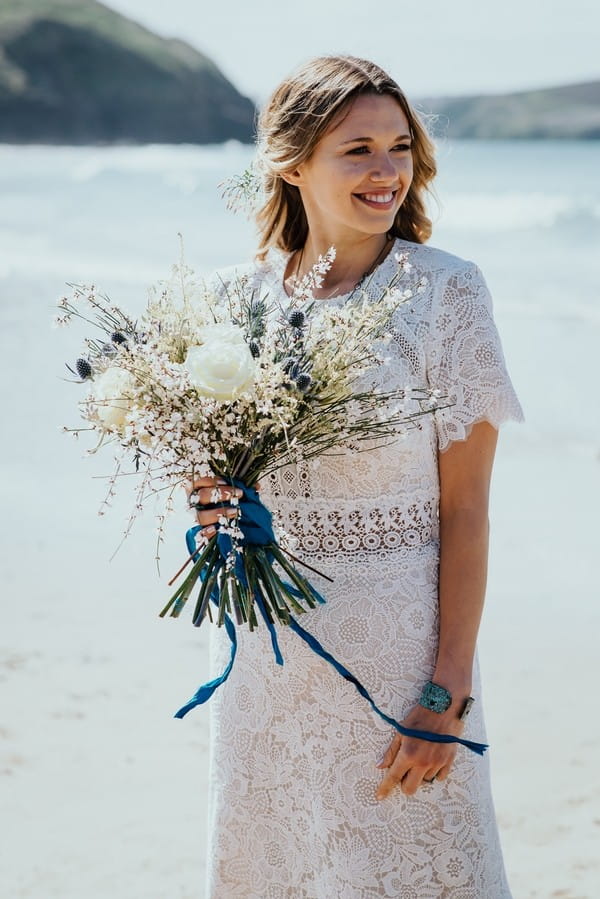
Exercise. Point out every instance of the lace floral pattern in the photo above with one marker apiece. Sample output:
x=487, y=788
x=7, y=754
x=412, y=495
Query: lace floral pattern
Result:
x=292, y=811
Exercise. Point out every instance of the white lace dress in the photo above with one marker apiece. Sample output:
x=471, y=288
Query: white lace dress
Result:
x=292, y=808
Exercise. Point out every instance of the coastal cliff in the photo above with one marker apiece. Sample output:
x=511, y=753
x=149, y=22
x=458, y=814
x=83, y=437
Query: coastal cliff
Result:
x=567, y=112
x=76, y=72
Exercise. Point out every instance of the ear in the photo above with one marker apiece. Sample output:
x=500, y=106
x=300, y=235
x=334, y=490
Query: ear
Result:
x=294, y=177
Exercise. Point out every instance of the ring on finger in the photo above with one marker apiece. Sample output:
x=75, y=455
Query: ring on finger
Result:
x=227, y=513
x=218, y=495
x=206, y=517
x=217, y=499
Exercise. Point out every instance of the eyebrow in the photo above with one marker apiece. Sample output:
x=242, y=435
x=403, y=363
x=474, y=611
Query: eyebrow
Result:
x=369, y=140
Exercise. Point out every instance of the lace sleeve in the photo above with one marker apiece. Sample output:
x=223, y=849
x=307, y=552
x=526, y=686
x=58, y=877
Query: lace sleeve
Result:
x=465, y=358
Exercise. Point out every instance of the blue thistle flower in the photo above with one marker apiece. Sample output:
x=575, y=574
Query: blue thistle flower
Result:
x=83, y=369
x=297, y=319
x=303, y=381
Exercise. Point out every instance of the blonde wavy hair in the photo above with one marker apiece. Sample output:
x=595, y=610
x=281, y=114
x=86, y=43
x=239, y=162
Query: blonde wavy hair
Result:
x=298, y=114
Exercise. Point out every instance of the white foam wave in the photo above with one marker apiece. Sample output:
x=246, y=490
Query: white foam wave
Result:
x=507, y=212
x=176, y=163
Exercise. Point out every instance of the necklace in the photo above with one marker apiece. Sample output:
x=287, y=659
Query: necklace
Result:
x=380, y=256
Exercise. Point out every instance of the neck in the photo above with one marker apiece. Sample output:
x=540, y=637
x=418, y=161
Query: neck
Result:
x=353, y=259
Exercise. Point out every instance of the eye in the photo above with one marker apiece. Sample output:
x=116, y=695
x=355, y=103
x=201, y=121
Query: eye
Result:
x=358, y=151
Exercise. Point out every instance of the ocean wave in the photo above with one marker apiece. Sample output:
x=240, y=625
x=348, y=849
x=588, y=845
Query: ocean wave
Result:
x=181, y=166
x=519, y=211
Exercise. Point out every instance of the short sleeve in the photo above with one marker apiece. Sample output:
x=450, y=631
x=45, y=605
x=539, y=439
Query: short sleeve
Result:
x=465, y=358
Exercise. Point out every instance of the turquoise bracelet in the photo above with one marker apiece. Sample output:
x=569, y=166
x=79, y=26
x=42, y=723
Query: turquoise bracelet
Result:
x=435, y=698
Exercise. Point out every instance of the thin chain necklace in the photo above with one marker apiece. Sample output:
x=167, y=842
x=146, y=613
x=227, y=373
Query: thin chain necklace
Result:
x=364, y=275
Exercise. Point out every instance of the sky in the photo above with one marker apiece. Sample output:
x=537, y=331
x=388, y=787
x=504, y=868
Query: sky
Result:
x=431, y=47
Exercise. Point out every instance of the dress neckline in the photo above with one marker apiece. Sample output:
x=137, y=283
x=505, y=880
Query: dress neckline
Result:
x=277, y=260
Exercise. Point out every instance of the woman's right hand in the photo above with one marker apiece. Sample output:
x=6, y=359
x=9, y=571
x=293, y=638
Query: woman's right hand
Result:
x=205, y=491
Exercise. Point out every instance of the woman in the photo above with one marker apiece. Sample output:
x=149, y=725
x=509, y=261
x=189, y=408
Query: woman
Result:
x=311, y=794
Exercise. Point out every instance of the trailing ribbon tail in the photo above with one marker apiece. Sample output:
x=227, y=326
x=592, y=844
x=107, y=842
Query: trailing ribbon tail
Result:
x=314, y=644
x=190, y=541
x=271, y=628
x=204, y=692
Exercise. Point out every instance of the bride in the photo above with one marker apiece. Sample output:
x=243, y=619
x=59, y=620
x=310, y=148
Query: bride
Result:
x=311, y=795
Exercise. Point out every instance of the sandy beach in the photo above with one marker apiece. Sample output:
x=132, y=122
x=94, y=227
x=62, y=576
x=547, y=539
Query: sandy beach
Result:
x=104, y=790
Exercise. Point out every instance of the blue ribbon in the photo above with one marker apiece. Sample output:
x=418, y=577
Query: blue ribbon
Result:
x=314, y=644
x=255, y=522
x=204, y=692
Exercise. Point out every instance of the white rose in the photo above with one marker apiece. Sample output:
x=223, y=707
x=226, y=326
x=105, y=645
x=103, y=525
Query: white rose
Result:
x=222, y=366
x=113, y=391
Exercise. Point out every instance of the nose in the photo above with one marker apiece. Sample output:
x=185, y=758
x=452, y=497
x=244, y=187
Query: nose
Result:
x=384, y=168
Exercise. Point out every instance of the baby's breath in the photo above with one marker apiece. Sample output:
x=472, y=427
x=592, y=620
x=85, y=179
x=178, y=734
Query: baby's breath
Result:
x=306, y=396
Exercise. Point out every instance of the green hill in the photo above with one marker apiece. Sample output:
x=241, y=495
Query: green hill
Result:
x=75, y=71
x=572, y=111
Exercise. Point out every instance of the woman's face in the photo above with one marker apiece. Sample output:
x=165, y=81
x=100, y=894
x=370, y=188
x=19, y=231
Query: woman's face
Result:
x=360, y=171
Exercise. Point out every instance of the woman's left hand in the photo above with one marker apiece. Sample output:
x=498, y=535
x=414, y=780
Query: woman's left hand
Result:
x=411, y=762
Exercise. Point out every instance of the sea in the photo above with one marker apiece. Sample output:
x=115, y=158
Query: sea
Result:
x=80, y=639
x=527, y=212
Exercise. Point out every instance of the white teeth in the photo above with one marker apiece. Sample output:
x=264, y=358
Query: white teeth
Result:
x=378, y=198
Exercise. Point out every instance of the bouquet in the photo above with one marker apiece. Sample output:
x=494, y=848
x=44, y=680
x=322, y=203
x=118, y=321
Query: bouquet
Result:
x=234, y=384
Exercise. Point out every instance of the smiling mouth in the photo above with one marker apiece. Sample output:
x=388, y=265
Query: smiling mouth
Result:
x=379, y=200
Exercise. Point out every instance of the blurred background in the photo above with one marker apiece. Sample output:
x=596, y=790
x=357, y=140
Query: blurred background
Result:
x=118, y=124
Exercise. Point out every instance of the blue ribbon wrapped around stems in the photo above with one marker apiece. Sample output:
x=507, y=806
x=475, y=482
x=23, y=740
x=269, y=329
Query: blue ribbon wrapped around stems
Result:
x=255, y=522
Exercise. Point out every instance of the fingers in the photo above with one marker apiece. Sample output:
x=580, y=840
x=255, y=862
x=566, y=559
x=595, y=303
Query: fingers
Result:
x=390, y=753
x=443, y=773
x=206, y=489
x=412, y=764
x=210, y=491
x=430, y=776
x=213, y=482
x=209, y=518
x=408, y=778
x=412, y=781
x=207, y=482
x=198, y=483
x=206, y=495
x=213, y=516
x=394, y=777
